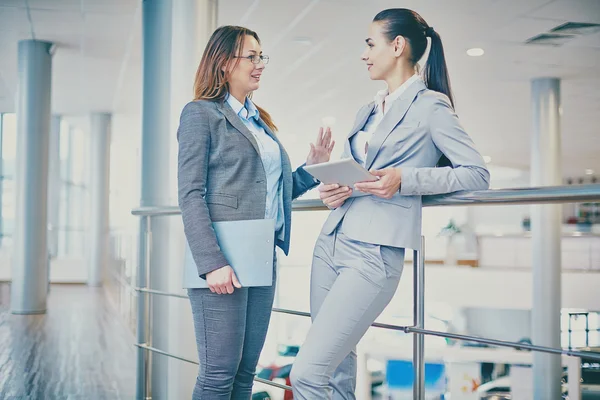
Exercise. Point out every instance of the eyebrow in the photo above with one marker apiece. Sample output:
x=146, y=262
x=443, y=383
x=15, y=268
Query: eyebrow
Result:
x=367, y=40
x=253, y=51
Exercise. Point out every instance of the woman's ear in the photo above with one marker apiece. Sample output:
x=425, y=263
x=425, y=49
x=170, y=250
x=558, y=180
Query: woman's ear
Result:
x=399, y=45
x=228, y=66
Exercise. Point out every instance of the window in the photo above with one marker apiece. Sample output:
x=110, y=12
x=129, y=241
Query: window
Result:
x=72, y=225
x=8, y=137
x=580, y=329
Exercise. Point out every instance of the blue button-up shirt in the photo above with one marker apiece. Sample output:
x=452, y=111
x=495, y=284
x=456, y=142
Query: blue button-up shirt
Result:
x=270, y=154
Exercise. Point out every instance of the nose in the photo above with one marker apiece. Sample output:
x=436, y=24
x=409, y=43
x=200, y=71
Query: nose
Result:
x=364, y=55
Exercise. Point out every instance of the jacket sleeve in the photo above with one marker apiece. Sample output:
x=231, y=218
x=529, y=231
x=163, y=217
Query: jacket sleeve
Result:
x=467, y=170
x=302, y=182
x=193, y=136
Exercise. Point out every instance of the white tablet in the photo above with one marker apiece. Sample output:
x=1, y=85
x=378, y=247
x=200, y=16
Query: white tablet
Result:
x=345, y=172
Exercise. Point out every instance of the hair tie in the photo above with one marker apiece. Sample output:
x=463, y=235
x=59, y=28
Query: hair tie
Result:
x=429, y=31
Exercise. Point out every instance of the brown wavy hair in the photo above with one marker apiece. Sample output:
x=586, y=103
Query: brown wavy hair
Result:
x=211, y=81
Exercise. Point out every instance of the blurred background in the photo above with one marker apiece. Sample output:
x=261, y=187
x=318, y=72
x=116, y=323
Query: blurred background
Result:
x=110, y=146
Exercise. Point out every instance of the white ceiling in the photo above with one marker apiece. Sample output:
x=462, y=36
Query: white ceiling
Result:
x=97, y=64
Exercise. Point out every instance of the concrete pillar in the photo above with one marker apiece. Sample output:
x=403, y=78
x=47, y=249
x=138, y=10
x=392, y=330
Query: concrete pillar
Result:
x=193, y=23
x=99, y=191
x=29, y=286
x=546, y=237
x=155, y=176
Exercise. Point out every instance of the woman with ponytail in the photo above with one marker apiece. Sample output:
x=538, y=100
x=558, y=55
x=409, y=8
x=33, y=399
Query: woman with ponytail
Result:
x=401, y=136
x=232, y=167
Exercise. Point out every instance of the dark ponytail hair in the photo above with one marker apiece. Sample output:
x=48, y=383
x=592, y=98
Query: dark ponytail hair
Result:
x=411, y=26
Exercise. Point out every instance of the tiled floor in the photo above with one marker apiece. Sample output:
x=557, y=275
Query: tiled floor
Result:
x=77, y=350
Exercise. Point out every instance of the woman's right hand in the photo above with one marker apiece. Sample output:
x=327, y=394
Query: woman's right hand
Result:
x=334, y=195
x=222, y=280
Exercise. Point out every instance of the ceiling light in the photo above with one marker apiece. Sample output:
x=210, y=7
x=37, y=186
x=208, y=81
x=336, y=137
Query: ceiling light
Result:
x=475, y=52
x=589, y=172
x=487, y=159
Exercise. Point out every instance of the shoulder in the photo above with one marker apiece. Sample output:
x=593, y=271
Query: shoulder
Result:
x=205, y=108
x=432, y=101
x=196, y=118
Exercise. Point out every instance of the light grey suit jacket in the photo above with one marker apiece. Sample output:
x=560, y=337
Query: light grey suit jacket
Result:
x=415, y=132
x=221, y=178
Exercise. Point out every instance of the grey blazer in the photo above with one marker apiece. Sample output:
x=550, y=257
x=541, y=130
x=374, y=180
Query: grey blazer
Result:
x=418, y=129
x=221, y=178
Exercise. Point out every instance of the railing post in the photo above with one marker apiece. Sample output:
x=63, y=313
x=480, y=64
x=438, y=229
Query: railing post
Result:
x=144, y=322
x=419, y=322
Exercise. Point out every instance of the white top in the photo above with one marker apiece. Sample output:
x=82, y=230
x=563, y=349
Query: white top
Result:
x=383, y=102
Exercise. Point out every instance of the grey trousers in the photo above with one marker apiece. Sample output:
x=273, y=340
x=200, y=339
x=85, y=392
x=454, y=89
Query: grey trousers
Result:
x=230, y=334
x=351, y=284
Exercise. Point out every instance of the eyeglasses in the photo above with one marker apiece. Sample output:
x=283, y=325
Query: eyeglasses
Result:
x=255, y=58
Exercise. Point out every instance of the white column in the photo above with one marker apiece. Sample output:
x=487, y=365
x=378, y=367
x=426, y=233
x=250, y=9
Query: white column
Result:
x=156, y=180
x=546, y=237
x=99, y=190
x=29, y=286
x=193, y=23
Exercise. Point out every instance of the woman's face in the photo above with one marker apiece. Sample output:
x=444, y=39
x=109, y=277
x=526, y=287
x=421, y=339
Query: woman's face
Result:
x=245, y=76
x=381, y=55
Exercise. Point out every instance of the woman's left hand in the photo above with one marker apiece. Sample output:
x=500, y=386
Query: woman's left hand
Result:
x=321, y=150
x=387, y=185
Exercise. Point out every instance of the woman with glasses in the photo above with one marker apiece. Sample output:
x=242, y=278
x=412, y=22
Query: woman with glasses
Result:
x=233, y=167
x=400, y=137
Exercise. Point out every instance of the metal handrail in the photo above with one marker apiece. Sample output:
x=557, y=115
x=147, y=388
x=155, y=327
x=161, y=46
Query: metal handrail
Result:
x=412, y=329
x=161, y=293
x=166, y=354
x=551, y=194
x=531, y=195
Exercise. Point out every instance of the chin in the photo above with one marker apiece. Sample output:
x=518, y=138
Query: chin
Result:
x=374, y=76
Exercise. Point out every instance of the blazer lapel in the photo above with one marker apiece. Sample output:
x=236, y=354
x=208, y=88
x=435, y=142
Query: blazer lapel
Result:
x=237, y=123
x=392, y=118
x=361, y=119
x=267, y=129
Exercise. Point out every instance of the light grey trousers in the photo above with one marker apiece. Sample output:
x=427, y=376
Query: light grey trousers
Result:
x=351, y=284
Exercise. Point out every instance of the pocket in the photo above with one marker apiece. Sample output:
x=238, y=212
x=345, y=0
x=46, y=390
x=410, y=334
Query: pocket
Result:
x=392, y=259
x=227, y=200
x=397, y=200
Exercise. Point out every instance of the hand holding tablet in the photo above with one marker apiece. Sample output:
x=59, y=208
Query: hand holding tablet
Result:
x=345, y=172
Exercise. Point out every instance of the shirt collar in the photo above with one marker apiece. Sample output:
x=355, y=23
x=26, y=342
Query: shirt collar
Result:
x=246, y=111
x=389, y=98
